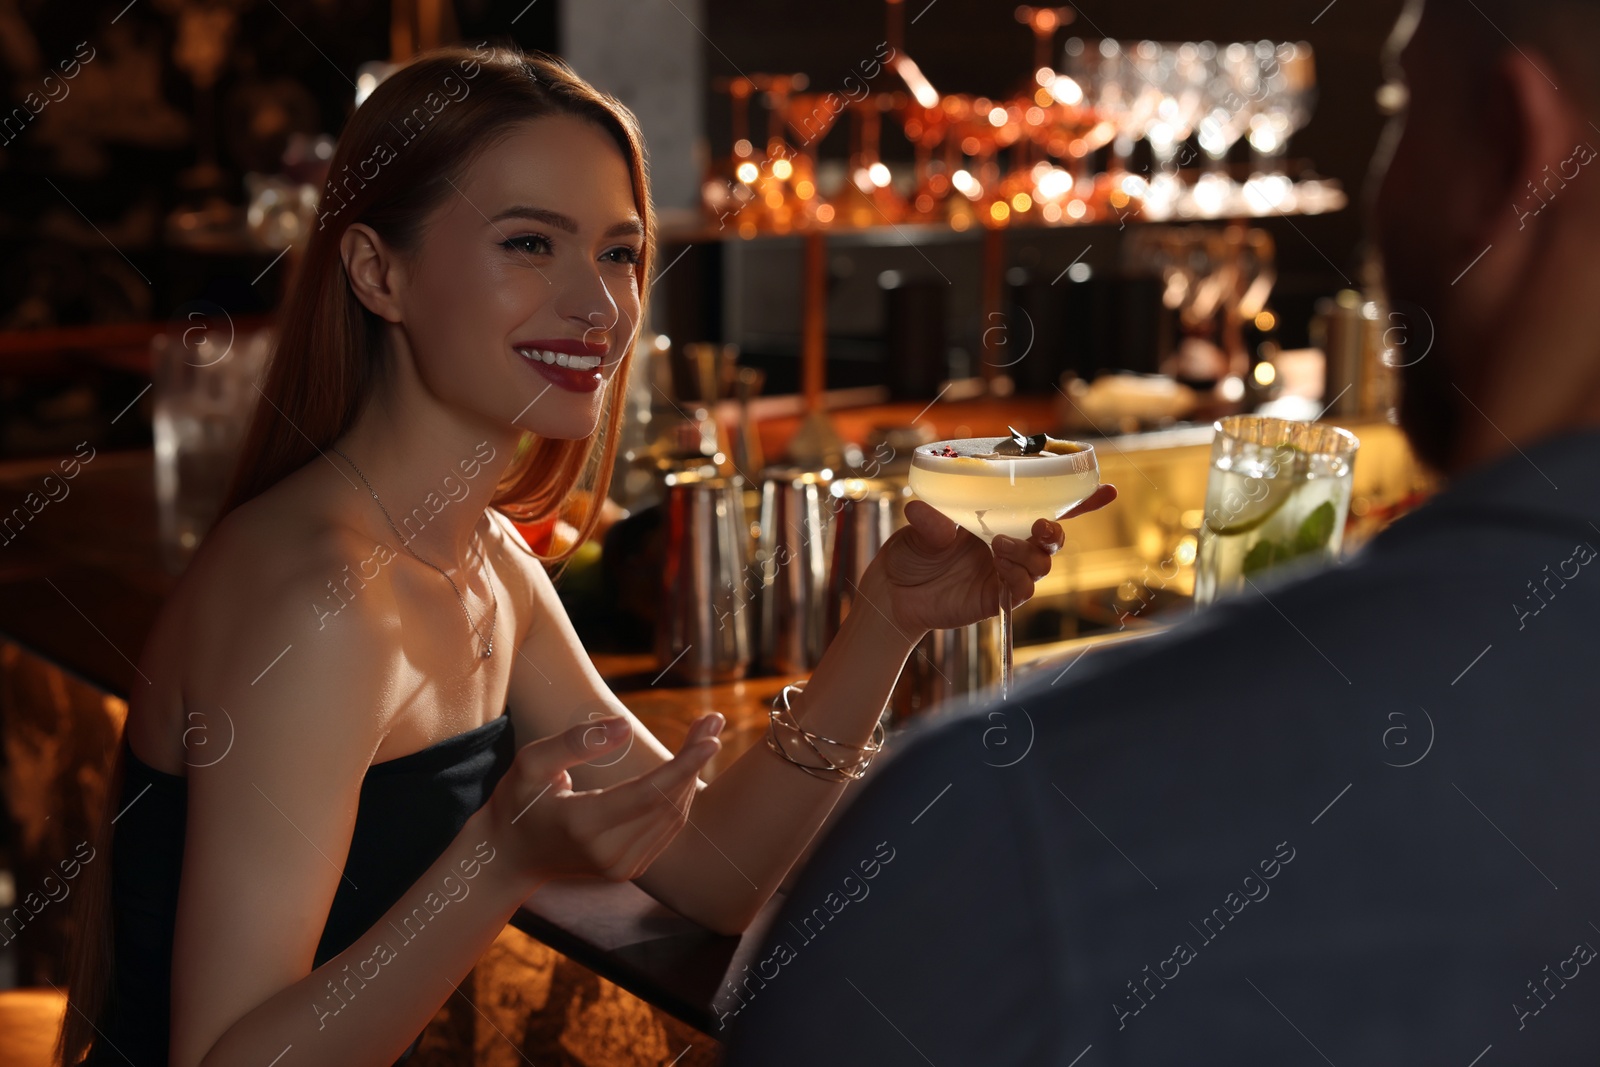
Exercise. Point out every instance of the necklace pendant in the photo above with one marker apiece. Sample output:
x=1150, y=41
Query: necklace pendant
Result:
x=488, y=650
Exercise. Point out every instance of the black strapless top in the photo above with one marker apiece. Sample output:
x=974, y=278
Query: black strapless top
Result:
x=411, y=808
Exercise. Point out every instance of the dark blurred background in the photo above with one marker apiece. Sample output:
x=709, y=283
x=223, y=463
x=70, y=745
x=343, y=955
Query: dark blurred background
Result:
x=89, y=186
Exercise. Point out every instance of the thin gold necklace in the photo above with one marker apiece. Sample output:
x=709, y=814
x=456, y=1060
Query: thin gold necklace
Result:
x=488, y=643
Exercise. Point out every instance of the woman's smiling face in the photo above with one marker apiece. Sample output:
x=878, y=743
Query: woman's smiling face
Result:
x=535, y=247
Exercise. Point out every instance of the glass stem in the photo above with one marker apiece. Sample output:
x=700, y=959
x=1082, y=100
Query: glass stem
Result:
x=1005, y=642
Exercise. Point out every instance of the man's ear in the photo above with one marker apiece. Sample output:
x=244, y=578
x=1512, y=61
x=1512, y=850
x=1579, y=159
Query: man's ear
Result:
x=374, y=269
x=1538, y=133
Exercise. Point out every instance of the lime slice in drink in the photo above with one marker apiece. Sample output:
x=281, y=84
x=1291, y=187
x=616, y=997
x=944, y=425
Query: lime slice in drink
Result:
x=1239, y=514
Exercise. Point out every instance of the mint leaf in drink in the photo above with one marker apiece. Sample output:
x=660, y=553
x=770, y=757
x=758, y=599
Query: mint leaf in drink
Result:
x=1263, y=554
x=1316, y=529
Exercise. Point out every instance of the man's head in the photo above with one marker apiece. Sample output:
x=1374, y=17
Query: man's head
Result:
x=1489, y=220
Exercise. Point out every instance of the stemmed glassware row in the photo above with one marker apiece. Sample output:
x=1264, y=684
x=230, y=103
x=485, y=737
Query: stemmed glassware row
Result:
x=1061, y=150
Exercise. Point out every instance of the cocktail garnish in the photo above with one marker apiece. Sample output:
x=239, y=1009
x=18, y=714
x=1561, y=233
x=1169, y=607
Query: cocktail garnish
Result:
x=1021, y=444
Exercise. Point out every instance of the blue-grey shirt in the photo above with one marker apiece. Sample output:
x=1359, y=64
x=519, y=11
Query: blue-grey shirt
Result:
x=1347, y=819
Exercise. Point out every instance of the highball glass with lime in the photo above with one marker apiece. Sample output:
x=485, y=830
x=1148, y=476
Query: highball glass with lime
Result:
x=1277, y=495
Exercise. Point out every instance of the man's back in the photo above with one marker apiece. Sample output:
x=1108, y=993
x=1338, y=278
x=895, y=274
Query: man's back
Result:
x=1348, y=820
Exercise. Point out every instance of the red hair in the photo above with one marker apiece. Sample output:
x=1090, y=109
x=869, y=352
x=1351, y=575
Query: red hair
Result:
x=329, y=354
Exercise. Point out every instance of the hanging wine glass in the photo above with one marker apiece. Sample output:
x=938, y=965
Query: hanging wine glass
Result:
x=1231, y=82
x=1130, y=99
x=202, y=41
x=1288, y=87
x=1232, y=76
x=728, y=190
x=1036, y=104
x=1012, y=186
x=925, y=128
x=809, y=116
x=1181, y=76
x=1298, y=93
x=1095, y=127
x=979, y=130
x=1044, y=22
x=1059, y=138
x=1284, y=77
x=867, y=197
x=782, y=208
x=968, y=131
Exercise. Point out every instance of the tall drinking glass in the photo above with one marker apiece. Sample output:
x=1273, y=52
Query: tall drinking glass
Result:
x=205, y=390
x=989, y=492
x=1278, y=493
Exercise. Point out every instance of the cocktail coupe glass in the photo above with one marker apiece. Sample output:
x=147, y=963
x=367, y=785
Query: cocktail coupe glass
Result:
x=991, y=492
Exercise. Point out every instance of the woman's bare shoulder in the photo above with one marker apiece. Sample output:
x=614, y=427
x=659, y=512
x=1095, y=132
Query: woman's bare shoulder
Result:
x=289, y=557
x=271, y=577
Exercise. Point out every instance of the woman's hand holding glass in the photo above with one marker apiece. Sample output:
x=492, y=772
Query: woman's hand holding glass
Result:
x=932, y=574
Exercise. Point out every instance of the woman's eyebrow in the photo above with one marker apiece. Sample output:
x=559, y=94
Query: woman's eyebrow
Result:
x=632, y=226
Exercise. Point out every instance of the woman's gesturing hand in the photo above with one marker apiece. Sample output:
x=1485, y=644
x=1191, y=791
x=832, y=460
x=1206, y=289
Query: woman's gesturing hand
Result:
x=615, y=833
x=934, y=575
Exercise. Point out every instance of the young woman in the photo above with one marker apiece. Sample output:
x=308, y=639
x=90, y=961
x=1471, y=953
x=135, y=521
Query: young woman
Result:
x=365, y=730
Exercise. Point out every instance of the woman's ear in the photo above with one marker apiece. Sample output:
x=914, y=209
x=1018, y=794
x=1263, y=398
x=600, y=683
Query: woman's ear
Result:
x=374, y=270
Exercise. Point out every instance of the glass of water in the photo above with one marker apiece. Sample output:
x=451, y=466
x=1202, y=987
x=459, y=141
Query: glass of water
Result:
x=1277, y=494
x=205, y=379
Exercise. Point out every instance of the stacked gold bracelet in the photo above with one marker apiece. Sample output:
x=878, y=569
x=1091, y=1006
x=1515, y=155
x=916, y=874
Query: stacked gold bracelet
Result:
x=783, y=718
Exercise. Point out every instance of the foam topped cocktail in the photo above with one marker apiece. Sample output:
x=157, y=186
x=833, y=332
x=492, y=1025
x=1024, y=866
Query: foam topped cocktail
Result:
x=1002, y=485
x=991, y=492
